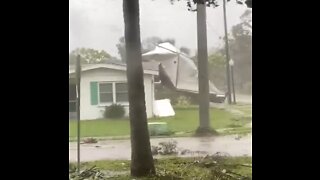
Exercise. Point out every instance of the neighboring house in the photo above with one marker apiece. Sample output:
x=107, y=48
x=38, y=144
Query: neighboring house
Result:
x=103, y=85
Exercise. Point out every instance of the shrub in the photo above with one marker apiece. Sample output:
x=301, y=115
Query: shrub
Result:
x=114, y=111
x=183, y=101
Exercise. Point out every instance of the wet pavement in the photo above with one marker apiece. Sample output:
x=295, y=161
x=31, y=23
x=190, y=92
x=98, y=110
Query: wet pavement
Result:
x=121, y=149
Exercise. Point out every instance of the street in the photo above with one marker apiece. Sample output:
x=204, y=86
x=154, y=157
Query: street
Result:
x=120, y=149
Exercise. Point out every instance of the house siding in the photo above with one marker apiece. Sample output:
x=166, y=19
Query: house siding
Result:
x=91, y=112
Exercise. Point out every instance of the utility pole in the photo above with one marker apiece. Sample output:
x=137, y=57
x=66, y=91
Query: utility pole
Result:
x=203, y=68
x=227, y=51
x=78, y=78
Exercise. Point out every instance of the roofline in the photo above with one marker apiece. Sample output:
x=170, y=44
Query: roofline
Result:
x=112, y=66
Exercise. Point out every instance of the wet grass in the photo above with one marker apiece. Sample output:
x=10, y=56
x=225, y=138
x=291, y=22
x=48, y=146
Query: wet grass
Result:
x=177, y=168
x=184, y=123
x=239, y=131
x=247, y=109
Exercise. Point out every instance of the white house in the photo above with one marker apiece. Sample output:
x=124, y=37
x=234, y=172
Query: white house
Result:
x=103, y=85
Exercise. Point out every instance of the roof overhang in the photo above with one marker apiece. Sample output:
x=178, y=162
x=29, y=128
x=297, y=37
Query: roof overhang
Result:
x=109, y=66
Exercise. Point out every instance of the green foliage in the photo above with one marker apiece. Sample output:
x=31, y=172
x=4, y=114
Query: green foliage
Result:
x=92, y=173
x=249, y=3
x=89, y=56
x=217, y=70
x=217, y=60
x=191, y=4
x=121, y=46
x=241, y=52
x=183, y=101
x=185, y=50
x=72, y=168
x=114, y=111
x=240, y=47
x=218, y=166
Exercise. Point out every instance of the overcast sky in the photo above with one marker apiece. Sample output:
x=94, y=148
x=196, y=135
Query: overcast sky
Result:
x=99, y=24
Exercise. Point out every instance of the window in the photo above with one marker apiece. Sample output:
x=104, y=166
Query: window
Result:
x=113, y=92
x=121, y=92
x=105, y=93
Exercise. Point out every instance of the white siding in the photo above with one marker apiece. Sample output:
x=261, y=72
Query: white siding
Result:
x=90, y=112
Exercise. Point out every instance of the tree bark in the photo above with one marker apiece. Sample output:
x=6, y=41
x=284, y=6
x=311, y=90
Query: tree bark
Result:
x=141, y=156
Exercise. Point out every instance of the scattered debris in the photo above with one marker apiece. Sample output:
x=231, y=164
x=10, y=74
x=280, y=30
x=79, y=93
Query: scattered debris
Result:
x=185, y=151
x=170, y=148
x=163, y=108
x=90, y=141
x=155, y=150
x=238, y=137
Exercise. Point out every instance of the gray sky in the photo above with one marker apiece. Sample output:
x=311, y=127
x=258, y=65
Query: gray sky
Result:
x=99, y=24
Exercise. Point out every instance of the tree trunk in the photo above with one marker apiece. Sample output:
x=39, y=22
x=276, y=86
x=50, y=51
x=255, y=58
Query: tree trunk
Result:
x=203, y=69
x=141, y=157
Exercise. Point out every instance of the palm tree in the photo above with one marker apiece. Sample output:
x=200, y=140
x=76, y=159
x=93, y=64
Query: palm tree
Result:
x=141, y=156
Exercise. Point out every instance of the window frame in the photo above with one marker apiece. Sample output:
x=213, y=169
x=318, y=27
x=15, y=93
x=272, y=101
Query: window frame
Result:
x=121, y=92
x=114, y=93
x=99, y=93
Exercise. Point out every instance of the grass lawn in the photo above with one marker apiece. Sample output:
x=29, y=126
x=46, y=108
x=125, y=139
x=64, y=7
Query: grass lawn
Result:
x=184, y=123
x=178, y=168
x=247, y=109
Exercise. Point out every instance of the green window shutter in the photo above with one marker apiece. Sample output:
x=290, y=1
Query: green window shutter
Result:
x=94, y=93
